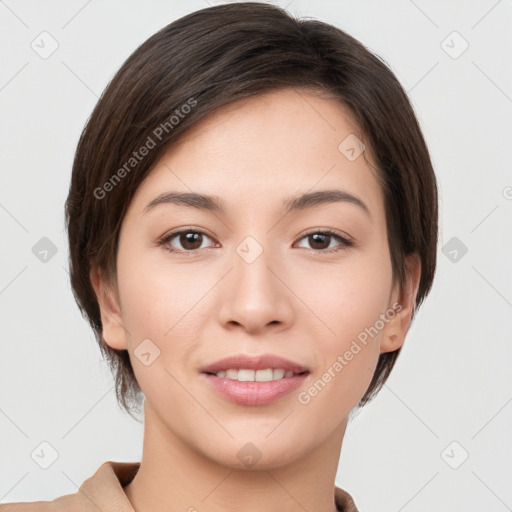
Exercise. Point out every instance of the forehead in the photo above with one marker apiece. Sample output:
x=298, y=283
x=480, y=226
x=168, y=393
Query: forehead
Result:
x=270, y=146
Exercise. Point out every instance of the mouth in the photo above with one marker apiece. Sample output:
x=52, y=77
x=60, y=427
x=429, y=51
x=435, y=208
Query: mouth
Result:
x=254, y=380
x=249, y=375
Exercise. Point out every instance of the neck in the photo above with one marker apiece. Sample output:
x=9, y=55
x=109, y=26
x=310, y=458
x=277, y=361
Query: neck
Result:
x=174, y=475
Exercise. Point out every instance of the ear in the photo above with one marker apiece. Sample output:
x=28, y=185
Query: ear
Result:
x=394, y=332
x=113, y=331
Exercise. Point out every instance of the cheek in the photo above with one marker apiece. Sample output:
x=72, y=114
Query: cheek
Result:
x=350, y=296
x=349, y=299
x=158, y=305
x=156, y=294
x=162, y=302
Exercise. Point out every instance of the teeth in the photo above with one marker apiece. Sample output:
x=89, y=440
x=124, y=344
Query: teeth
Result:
x=245, y=375
x=278, y=373
x=232, y=374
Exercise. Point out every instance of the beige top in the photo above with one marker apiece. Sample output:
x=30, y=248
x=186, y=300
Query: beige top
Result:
x=103, y=492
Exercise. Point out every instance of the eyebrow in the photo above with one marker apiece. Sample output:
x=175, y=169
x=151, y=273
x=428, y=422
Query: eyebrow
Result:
x=296, y=203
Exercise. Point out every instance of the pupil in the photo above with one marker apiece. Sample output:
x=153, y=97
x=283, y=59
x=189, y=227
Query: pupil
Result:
x=190, y=238
x=318, y=238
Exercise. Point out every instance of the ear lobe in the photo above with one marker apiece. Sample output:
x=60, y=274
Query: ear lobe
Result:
x=113, y=331
x=396, y=330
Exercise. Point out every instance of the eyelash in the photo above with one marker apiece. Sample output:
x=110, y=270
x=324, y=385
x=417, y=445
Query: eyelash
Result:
x=345, y=242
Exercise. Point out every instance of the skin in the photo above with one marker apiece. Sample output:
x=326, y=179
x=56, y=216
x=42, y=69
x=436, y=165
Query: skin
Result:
x=293, y=301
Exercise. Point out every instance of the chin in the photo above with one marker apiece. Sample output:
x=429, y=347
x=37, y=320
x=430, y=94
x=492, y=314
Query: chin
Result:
x=257, y=453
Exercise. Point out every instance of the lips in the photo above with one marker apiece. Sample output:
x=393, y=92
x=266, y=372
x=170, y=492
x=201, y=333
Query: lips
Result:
x=254, y=362
x=254, y=392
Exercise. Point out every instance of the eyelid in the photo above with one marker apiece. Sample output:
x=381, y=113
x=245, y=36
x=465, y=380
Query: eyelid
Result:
x=330, y=231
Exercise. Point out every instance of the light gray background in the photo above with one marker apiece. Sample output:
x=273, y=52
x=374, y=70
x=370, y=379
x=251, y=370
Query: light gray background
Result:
x=452, y=381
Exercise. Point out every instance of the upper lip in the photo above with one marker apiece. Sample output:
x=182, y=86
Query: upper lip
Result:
x=254, y=362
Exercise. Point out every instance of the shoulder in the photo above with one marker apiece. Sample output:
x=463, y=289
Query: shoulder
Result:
x=67, y=503
x=344, y=501
x=102, y=491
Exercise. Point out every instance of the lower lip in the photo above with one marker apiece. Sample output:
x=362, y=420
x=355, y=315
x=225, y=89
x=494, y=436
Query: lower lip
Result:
x=254, y=393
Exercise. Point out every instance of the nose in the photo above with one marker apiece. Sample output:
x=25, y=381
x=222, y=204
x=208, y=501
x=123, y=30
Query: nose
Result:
x=255, y=294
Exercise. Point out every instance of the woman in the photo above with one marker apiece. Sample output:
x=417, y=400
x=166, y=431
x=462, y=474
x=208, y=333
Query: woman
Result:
x=252, y=224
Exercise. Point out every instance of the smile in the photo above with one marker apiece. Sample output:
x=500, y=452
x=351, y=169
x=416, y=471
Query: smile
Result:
x=246, y=375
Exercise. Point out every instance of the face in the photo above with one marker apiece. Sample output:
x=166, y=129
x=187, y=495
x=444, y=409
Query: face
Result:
x=257, y=275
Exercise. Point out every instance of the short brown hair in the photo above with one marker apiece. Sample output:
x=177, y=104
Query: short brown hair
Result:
x=216, y=56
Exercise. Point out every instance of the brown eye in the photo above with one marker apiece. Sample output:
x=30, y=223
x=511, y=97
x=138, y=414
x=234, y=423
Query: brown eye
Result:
x=190, y=241
x=318, y=241
x=321, y=241
x=185, y=241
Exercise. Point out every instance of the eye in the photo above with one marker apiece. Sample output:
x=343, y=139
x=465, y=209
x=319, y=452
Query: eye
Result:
x=189, y=239
x=321, y=240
